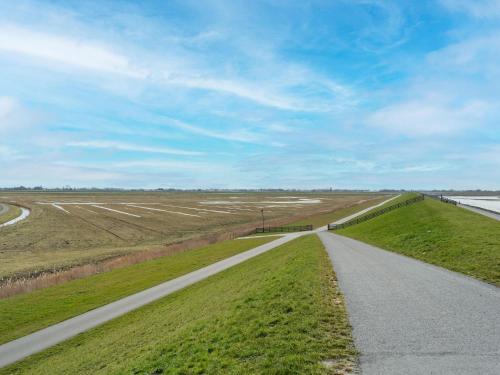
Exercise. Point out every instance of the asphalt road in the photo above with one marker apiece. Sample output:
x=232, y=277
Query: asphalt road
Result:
x=410, y=317
x=16, y=350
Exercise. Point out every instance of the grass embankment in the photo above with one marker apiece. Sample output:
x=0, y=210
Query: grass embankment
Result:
x=11, y=214
x=403, y=197
x=329, y=217
x=398, y=199
x=437, y=233
x=278, y=313
x=32, y=311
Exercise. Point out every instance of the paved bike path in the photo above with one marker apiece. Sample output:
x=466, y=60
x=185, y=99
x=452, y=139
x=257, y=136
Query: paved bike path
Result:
x=18, y=349
x=410, y=317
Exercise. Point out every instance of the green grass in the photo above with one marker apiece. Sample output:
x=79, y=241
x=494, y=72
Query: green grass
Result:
x=437, y=233
x=329, y=217
x=278, y=313
x=32, y=311
x=403, y=197
x=12, y=213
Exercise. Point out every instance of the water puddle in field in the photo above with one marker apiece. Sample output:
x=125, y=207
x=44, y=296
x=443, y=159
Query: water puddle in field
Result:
x=299, y=201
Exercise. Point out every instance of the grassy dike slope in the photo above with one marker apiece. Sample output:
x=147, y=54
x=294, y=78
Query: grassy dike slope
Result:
x=278, y=313
x=329, y=217
x=437, y=233
x=29, y=312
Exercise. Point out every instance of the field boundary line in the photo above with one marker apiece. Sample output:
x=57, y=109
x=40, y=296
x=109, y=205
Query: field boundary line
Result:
x=111, y=209
x=159, y=209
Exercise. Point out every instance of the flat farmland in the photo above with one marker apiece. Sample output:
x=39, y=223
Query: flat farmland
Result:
x=66, y=229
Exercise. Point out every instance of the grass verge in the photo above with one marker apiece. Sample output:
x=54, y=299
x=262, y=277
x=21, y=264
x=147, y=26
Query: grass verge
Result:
x=32, y=311
x=437, y=233
x=12, y=213
x=278, y=313
x=403, y=197
x=329, y=217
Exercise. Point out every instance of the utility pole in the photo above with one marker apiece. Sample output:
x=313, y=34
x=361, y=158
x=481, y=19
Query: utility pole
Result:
x=262, y=213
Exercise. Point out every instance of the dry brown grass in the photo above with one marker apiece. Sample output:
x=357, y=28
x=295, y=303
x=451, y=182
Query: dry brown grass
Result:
x=22, y=282
x=12, y=212
x=17, y=285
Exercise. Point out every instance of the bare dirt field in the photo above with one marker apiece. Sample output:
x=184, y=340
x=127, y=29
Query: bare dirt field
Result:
x=66, y=229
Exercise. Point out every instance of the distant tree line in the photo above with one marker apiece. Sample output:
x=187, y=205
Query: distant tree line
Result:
x=268, y=190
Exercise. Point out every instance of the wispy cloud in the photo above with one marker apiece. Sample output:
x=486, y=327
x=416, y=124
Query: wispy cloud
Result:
x=241, y=135
x=121, y=146
x=364, y=93
x=427, y=117
x=16, y=118
x=475, y=8
x=188, y=72
x=75, y=52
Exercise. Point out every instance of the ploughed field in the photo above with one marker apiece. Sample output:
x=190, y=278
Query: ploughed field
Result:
x=73, y=228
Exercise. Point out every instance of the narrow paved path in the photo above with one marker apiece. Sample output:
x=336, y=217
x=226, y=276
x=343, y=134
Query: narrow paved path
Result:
x=16, y=350
x=410, y=317
x=490, y=214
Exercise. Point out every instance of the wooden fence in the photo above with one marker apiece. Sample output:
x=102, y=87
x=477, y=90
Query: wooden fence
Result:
x=376, y=213
x=442, y=199
x=295, y=228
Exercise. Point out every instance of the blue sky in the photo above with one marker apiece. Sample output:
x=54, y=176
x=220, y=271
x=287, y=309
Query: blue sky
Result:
x=250, y=94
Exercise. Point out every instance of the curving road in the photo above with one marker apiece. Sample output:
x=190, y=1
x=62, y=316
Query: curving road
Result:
x=16, y=350
x=410, y=317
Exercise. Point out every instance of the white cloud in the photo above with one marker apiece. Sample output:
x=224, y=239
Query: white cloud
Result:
x=70, y=51
x=352, y=164
x=132, y=147
x=15, y=118
x=172, y=165
x=243, y=90
x=475, y=8
x=426, y=117
x=8, y=153
x=474, y=55
x=184, y=69
x=241, y=135
x=7, y=106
